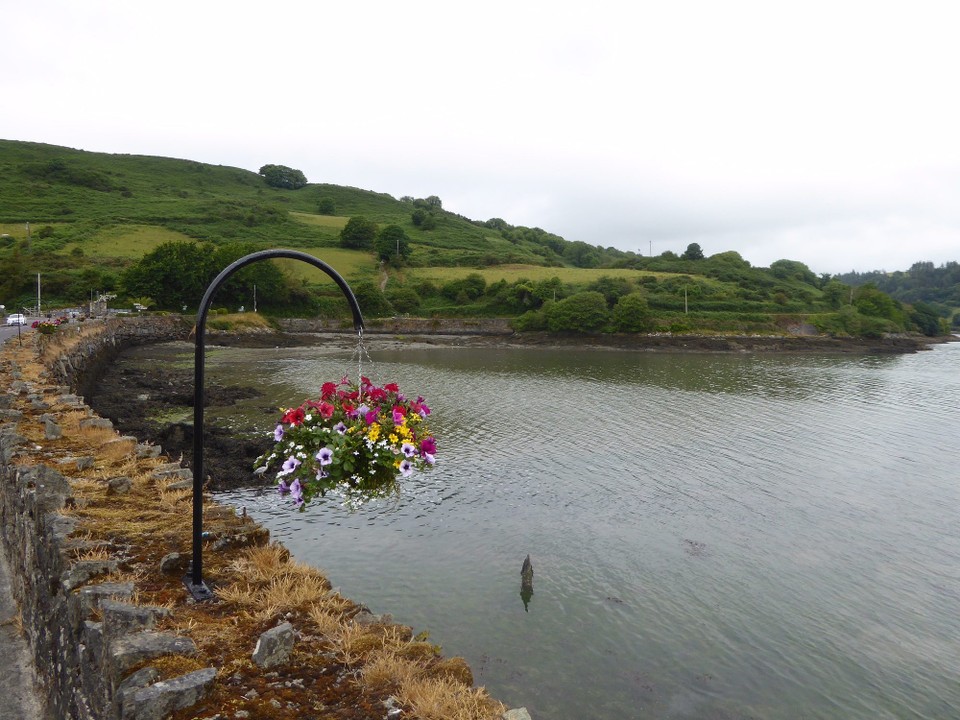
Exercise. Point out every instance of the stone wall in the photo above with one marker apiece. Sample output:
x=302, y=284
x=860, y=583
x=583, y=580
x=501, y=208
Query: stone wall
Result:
x=405, y=326
x=86, y=635
x=92, y=643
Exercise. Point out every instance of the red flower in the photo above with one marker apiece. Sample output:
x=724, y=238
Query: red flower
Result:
x=377, y=394
x=328, y=390
x=429, y=445
x=293, y=416
x=391, y=387
x=326, y=410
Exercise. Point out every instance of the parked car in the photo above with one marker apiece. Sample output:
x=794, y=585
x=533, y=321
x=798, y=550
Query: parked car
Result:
x=16, y=319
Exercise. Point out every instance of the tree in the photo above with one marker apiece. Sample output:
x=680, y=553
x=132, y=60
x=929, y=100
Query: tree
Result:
x=358, y=233
x=632, y=313
x=423, y=219
x=326, y=206
x=693, y=252
x=174, y=274
x=611, y=288
x=392, y=244
x=583, y=312
x=281, y=176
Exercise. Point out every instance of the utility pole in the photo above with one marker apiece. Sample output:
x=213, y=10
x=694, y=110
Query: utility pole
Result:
x=254, y=298
x=38, y=294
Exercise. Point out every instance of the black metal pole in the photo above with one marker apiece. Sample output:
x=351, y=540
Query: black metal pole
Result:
x=194, y=581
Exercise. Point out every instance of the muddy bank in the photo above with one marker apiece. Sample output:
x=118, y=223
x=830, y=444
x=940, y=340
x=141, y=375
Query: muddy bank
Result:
x=140, y=402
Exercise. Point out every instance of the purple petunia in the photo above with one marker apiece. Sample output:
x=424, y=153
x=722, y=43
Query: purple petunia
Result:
x=325, y=456
x=371, y=417
x=278, y=433
x=406, y=468
x=408, y=450
x=340, y=428
x=289, y=465
x=282, y=487
x=429, y=459
x=296, y=491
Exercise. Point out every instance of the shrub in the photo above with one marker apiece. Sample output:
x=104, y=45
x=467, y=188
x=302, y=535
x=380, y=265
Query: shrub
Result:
x=632, y=314
x=583, y=312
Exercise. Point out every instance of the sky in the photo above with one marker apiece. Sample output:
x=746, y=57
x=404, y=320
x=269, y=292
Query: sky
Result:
x=824, y=132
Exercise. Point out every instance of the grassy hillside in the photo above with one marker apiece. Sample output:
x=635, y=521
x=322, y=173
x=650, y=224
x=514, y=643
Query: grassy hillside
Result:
x=94, y=216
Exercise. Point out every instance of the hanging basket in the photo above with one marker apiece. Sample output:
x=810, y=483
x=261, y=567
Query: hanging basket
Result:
x=356, y=440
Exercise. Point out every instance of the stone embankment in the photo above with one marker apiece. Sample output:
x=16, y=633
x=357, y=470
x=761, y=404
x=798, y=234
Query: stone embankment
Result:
x=95, y=527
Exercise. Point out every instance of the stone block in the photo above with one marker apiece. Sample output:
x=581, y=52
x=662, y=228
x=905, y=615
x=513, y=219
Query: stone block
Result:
x=85, y=570
x=274, y=646
x=120, y=618
x=51, y=431
x=129, y=650
x=162, y=699
x=96, y=423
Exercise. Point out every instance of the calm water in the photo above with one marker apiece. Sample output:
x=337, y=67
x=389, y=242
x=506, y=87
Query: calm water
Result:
x=713, y=536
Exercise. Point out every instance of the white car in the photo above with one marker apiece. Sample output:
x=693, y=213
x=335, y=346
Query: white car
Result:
x=16, y=319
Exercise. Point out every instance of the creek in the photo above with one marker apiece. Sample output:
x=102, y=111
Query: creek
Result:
x=712, y=535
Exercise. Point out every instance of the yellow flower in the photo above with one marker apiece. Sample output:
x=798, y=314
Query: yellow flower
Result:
x=373, y=432
x=394, y=439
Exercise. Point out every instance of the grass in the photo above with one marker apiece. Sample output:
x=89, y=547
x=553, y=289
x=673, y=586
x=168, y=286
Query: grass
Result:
x=350, y=264
x=327, y=221
x=125, y=241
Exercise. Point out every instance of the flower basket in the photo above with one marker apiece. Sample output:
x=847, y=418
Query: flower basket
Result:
x=355, y=440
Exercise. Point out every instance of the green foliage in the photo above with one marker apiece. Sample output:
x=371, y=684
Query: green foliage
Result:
x=583, y=312
x=373, y=303
x=612, y=288
x=326, y=206
x=926, y=319
x=632, y=314
x=403, y=299
x=693, y=252
x=280, y=176
x=358, y=233
x=392, y=244
x=465, y=289
x=175, y=274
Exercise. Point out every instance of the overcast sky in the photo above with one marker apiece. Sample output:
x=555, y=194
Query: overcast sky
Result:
x=824, y=132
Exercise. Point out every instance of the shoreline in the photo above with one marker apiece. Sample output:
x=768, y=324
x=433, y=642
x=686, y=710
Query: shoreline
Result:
x=665, y=342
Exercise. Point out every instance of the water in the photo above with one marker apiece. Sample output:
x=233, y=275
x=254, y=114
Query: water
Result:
x=713, y=536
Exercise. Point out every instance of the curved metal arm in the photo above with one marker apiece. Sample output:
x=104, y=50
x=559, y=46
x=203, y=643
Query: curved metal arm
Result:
x=194, y=581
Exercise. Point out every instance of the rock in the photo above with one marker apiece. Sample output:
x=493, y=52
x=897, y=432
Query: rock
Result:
x=274, y=646
x=84, y=570
x=129, y=650
x=517, y=714
x=174, y=563
x=181, y=485
x=144, y=450
x=121, y=618
x=96, y=423
x=119, y=485
x=84, y=463
x=51, y=430
x=162, y=699
x=173, y=474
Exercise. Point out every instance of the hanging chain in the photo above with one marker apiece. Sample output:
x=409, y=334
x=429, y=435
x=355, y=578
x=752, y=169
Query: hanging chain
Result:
x=361, y=353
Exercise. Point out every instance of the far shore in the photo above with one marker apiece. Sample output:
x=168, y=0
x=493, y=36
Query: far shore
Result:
x=394, y=336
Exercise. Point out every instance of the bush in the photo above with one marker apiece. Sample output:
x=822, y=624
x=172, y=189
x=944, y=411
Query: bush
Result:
x=632, y=314
x=358, y=233
x=583, y=312
x=326, y=206
x=404, y=300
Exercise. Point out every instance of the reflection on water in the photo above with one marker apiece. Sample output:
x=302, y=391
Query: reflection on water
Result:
x=713, y=535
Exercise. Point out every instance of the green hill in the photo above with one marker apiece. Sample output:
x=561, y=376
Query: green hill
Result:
x=118, y=223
